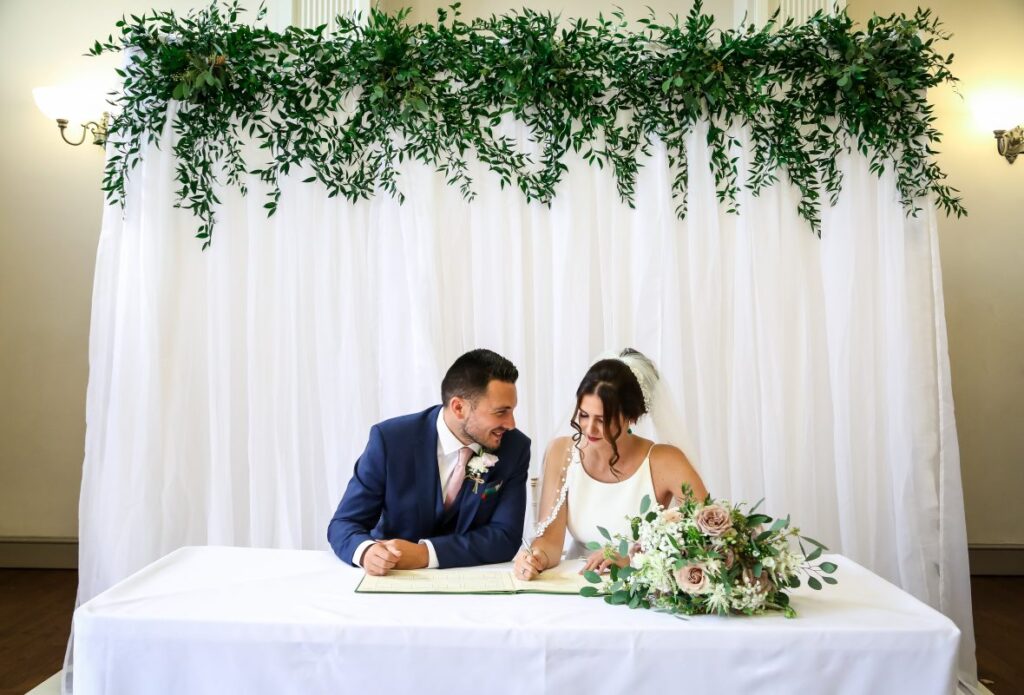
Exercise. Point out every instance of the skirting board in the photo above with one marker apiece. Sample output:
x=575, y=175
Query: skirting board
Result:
x=39, y=553
x=62, y=553
x=999, y=559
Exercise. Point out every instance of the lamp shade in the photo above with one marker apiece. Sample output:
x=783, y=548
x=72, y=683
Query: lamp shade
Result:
x=997, y=109
x=77, y=103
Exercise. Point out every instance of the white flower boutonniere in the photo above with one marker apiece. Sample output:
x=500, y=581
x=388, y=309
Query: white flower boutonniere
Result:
x=478, y=466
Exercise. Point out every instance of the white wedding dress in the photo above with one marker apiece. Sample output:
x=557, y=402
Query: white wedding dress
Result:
x=592, y=503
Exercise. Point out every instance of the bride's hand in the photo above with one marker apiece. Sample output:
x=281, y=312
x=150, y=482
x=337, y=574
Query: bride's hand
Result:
x=599, y=563
x=528, y=566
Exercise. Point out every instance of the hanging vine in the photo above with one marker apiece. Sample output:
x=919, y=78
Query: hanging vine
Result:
x=350, y=106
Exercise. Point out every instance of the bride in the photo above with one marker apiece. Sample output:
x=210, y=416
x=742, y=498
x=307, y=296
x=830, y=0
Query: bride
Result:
x=599, y=475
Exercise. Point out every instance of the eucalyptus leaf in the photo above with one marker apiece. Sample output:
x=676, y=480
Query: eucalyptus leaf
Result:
x=619, y=597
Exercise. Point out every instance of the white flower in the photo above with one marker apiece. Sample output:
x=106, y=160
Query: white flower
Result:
x=718, y=600
x=749, y=594
x=480, y=464
x=171, y=39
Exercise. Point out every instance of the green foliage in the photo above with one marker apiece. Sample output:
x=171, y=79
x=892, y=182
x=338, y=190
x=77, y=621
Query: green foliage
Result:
x=346, y=108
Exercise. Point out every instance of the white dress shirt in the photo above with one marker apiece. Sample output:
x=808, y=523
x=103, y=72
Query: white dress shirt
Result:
x=448, y=447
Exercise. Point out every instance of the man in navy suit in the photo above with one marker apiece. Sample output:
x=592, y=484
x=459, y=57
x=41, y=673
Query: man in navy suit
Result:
x=445, y=487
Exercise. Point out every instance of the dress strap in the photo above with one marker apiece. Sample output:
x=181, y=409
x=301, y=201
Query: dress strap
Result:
x=648, y=457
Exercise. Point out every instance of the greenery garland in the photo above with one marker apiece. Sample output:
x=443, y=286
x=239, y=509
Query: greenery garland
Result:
x=350, y=106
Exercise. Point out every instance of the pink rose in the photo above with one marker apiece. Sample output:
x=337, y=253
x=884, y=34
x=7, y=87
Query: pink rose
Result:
x=693, y=579
x=713, y=520
x=671, y=516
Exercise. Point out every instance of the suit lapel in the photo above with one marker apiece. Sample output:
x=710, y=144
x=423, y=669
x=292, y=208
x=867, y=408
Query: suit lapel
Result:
x=428, y=482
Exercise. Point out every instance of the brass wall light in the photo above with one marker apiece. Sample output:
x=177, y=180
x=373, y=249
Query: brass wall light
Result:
x=1010, y=143
x=77, y=104
x=98, y=130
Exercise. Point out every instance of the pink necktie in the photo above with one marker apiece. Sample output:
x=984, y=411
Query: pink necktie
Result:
x=457, y=477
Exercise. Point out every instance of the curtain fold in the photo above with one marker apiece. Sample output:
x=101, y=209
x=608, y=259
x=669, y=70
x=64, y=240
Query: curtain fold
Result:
x=231, y=390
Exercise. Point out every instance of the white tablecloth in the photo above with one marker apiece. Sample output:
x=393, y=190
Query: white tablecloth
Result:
x=236, y=620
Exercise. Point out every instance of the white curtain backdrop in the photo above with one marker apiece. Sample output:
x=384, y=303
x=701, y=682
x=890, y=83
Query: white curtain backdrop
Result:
x=231, y=390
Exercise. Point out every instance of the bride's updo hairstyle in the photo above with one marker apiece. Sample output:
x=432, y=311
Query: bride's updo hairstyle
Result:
x=619, y=389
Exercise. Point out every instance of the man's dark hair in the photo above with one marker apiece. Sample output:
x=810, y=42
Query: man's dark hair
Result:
x=469, y=375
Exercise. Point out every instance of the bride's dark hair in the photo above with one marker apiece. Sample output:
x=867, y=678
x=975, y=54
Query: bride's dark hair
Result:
x=614, y=383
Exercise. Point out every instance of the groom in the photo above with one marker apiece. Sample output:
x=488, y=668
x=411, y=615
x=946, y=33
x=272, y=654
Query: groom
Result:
x=442, y=488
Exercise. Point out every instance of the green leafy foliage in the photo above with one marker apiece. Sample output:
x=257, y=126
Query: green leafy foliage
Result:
x=347, y=108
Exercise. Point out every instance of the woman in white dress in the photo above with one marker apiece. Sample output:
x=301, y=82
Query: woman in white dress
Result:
x=599, y=475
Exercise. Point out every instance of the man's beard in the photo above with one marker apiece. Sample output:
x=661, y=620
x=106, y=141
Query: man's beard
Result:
x=471, y=437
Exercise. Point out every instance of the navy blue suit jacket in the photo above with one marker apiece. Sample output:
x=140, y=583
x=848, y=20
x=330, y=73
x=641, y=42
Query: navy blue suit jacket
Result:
x=395, y=492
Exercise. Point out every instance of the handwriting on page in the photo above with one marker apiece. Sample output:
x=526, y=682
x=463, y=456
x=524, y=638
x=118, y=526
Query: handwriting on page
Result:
x=438, y=582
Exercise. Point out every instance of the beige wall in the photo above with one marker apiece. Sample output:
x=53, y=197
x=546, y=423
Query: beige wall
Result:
x=49, y=222
x=50, y=207
x=982, y=257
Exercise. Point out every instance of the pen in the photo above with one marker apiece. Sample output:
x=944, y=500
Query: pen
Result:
x=527, y=547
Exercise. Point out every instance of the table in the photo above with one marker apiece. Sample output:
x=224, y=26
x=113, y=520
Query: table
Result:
x=240, y=620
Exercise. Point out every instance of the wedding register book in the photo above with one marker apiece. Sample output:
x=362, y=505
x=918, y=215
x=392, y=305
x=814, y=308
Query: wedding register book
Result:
x=560, y=580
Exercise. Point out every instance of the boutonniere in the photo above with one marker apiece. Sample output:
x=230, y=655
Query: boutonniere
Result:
x=491, y=490
x=478, y=466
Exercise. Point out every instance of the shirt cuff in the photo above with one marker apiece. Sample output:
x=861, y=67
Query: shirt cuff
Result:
x=357, y=556
x=431, y=555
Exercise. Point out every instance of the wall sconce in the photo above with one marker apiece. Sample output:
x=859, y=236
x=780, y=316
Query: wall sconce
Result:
x=76, y=104
x=1010, y=143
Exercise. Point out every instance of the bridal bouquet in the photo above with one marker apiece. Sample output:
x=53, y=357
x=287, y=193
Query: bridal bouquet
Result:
x=708, y=557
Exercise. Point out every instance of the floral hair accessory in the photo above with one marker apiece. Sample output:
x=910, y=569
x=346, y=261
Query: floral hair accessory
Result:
x=644, y=371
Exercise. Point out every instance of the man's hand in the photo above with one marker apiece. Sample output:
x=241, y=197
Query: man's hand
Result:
x=394, y=554
x=412, y=556
x=380, y=558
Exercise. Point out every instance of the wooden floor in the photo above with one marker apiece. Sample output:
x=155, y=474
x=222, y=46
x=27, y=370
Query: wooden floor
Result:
x=36, y=606
x=35, y=621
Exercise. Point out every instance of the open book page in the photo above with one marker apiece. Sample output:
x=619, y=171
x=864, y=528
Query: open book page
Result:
x=563, y=579
x=451, y=581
